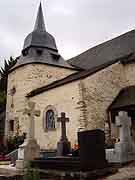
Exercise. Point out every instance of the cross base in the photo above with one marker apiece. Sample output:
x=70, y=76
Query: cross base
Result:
x=21, y=164
x=29, y=150
x=63, y=148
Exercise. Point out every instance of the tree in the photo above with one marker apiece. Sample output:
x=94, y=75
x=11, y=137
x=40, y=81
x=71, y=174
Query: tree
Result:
x=4, y=73
x=3, y=91
x=2, y=98
x=8, y=64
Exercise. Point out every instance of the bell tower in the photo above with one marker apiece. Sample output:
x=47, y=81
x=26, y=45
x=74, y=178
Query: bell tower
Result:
x=39, y=64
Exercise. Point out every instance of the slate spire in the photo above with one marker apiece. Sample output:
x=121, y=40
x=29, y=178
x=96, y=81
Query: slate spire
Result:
x=39, y=37
x=40, y=46
x=40, y=25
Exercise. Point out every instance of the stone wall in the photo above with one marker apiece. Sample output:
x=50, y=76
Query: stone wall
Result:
x=24, y=80
x=129, y=70
x=84, y=101
x=63, y=99
x=100, y=89
x=93, y=95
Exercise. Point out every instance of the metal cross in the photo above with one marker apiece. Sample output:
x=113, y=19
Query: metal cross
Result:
x=31, y=112
x=63, y=121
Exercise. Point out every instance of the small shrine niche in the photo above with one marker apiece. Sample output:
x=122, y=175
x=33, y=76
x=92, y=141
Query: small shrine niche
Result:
x=12, y=93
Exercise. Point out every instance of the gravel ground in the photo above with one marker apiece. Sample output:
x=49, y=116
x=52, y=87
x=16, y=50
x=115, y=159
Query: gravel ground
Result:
x=125, y=173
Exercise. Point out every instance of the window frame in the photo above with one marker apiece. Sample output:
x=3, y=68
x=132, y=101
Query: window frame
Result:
x=11, y=125
x=47, y=123
x=49, y=108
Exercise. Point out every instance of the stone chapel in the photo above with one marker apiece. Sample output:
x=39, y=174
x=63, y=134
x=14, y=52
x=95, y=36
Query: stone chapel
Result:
x=90, y=88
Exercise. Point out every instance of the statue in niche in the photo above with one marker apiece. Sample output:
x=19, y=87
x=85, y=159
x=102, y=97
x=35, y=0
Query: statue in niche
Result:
x=12, y=93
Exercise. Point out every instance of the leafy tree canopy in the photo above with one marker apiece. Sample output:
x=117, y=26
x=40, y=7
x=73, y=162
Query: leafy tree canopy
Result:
x=8, y=64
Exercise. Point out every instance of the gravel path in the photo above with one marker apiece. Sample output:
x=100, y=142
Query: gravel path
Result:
x=125, y=173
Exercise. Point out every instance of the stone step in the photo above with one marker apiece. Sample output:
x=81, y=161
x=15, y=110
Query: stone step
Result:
x=7, y=170
x=18, y=177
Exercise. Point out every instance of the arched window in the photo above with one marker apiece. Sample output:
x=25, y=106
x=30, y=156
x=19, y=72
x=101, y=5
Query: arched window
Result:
x=50, y=118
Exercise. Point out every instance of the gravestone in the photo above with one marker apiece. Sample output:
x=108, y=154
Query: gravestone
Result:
x=92, y=149
x=63, y=146
x=91, y=159
x=29, y=150
x=123, y=150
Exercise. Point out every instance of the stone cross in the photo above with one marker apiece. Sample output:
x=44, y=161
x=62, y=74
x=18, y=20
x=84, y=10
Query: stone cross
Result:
x=63, y=121
x=123, y=122
x=124, y=149
x=31, y=112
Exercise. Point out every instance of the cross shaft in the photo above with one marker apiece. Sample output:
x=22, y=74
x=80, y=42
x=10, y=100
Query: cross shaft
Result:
x=31, y=112
x=63, y=121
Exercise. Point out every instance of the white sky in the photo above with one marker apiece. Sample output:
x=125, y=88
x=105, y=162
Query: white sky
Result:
x=76, y=25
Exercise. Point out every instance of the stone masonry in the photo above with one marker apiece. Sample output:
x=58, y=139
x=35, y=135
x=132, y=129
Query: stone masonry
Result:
x=84, y=101
x=25, y=79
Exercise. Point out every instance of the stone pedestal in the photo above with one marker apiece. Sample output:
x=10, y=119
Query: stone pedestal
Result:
x=63, y=148
x=21, y=164
x=28, y=151
x=120, y=154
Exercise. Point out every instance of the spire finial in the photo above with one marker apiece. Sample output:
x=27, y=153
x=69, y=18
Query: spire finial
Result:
x=40, y=25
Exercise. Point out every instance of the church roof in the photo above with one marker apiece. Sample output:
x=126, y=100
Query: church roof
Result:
x=40, y=47
x=47, y=57
x=125, y=98
x=105, y=52
x=39, y=37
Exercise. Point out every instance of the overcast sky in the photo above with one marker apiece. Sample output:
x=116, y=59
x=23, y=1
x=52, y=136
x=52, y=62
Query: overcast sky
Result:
x=76, y=25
